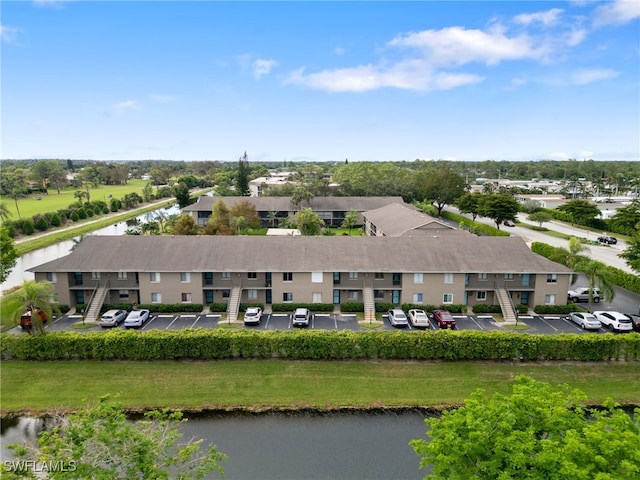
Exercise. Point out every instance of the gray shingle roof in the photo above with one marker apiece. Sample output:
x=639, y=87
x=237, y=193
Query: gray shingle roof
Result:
x=465, y=253
x=398, y=219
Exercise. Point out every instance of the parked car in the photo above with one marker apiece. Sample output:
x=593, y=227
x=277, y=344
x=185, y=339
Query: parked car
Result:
x=608, y=240
x=418, y=318
x=586, y=321
x=444, y=319
x=509, y=223
x=397, y=318
x=112, y=318
x=301, y=317
x=635, y=320
x=581, y=294
x=26, y=320
x=614, y=320
x=252, y=316
x=136, y=318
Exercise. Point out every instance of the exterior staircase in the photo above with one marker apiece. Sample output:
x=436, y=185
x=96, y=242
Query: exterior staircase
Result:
x=506, y=304
x=369, y=305
x=234, y=304
x=96, y=301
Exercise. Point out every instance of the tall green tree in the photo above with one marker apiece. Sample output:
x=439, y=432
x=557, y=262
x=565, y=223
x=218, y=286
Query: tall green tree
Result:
x=598, y=276
x=31, y=295
x=308, y=222
x=8, y=254
x=469, y=203
x=627, y=219
x=498, y=207
x=100, y=442
x=581, y=211
x=183, y=197
x=440, y=187
x=540, y=217
x=300, y=194
x=537, y=432
x=632, y=253
x=14, y=184
x=242, y=177
x=185, y=225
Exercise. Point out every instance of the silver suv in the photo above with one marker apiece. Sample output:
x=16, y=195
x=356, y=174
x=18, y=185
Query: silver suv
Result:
x=301, y=317
x=581, y=294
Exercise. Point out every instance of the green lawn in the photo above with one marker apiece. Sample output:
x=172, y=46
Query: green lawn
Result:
x=40, y=386
x=54, y=201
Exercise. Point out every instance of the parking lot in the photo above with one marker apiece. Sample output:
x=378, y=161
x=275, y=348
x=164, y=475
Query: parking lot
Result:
x=551, y=324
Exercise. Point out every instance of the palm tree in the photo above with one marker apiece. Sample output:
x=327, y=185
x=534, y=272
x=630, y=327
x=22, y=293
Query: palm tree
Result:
x=30, y=296
x=598, y=277
x=350, y=220
x=5, y=213
x=272, y=216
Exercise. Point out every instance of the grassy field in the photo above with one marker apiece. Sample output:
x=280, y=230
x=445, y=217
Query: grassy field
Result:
x=29, y=206
x=36, y=387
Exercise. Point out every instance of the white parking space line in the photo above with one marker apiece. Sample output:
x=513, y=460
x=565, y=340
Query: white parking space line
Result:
x=172, y=322
x=195, y=321
x=544, y=320
x=474, y=321
x=571, y=323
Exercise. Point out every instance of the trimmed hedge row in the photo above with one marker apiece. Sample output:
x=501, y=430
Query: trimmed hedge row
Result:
x=290, y=307
x=474, y=227
x=319, y=345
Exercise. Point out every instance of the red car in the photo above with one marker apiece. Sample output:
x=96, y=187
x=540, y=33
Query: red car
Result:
x=26, y=322
x=444, y=319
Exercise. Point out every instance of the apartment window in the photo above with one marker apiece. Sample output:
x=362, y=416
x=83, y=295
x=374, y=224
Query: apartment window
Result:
x=252, y=294
x=122, y=275
x=287, y=277
x=226, y=293
x=417, y=298
x=481, y=295
x=252, y=275
x=378, y=294
x=397, y=279
x=208, y=278
x=316, y=277
x=447, y=298
x=508, y=276
x=156, y=298
x=225, y=275
x=353, y=275
x=317, y=297
x=185, y=277
x=448, y=278
x=482, y=276
x=287, y=296
x=123, y=293
x=95, y=275
x=418, y=278
x=353, y=295
x=51, y=277
x=550, y=299
x=552, y=278
x=154, y=277
x=185, y=297
x=379, y=276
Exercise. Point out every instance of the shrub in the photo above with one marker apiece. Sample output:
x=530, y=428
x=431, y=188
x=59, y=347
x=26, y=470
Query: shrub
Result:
x=352, y=307
x=28, y=227
x=244, y=306
x=81, y=212
x=74, y=216
x=563, y=309
x=484, y=308
x=411, y=306
x=55, y=220
x=383, y=307
x=290, y=307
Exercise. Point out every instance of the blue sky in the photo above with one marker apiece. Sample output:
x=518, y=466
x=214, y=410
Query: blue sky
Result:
x=320, y=81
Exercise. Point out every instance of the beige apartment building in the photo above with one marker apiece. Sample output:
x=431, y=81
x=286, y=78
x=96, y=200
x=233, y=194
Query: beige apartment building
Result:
x=435, y=270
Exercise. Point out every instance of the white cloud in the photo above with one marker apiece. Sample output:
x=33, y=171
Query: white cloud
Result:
x=617, y=12
x=124, y=106
x=458, y=46
x=586, y=76
x=9, y=34
x=262, y=67
x=550, y=17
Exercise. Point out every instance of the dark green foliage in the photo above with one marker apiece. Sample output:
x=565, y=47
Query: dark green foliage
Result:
x=244, y=306
x=115, y=205
x=474, y=227
x=484, y=308
x=81, y=213
x=152, y=307
x=382, y=307
x=411, y=306
x=201, y=344
x=570, y=307
x=218, y=307
x=290, y=307
x=55, y=220
x=27, y=227
x=352, y=307
x=40, y=222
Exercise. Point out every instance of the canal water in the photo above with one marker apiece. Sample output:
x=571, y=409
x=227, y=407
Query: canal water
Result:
x=60, y=249
x=328, y=446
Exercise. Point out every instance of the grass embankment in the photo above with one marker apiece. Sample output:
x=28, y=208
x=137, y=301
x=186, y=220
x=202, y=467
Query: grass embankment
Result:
x=33, y=387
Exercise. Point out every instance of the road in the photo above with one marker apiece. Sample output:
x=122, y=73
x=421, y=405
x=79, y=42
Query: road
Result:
x=607, y=254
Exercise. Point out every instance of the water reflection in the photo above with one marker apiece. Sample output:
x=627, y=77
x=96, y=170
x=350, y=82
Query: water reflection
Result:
x=358, y=446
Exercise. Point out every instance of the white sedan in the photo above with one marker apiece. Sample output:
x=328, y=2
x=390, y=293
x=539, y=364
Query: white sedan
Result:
x=136, y=318
x=419, y=318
